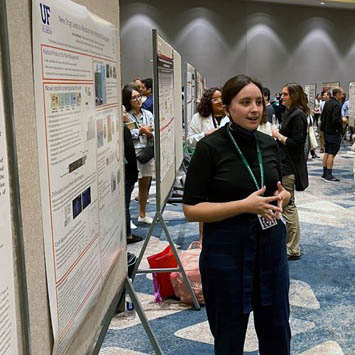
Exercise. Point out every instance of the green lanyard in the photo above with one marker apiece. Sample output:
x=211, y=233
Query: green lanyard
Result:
x=244, y=160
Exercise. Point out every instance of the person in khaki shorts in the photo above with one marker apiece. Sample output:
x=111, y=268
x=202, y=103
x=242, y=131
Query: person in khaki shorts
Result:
x=292, y=138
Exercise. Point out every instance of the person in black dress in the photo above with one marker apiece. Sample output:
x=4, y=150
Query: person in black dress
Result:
x=233, y=186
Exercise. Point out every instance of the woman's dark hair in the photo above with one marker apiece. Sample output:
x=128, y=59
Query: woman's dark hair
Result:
x=127, y=95
x=204, y=108
x=234, y=85
x=298, y=97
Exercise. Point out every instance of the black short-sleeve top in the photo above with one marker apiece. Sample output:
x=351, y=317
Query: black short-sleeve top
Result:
x=217, y=174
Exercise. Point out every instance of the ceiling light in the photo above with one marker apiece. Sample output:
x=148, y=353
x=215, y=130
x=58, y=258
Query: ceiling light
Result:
x=322, y=3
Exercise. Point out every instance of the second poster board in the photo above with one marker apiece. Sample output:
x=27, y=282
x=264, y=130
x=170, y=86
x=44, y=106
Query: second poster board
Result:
x=164, y=118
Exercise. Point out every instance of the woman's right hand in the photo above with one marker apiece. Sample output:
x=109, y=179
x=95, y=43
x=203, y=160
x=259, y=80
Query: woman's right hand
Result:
x=257, y=204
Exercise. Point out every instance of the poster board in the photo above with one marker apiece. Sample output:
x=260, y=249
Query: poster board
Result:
x=329, y=86
x=80, y=159
x=8, y=322
x=190, y=93
x=164, y=104
x=352, y=104
x=178, y=111
x=310, y=90
x=199, y=86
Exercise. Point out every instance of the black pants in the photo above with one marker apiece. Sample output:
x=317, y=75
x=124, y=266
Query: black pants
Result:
x=242, y=268
x=128, y=192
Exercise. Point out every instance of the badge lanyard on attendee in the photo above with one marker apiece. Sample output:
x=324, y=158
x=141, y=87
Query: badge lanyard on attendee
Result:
x=142, y=139
x=264, y=223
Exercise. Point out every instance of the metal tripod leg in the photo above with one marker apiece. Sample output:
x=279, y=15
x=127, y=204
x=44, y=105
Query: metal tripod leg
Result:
x=138, y=307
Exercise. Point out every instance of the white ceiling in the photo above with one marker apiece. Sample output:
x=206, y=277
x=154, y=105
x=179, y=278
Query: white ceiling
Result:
x=344, y=4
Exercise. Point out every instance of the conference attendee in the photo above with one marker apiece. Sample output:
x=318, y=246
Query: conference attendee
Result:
x=325, y=97
x=332, y=127
x=138, y=85
x=142, y=134
x=316, y=111
x=131, y=175
x=292, y=138
x=269, y=109
x=147, y=91
x=345, y=113
x=209, y=117
x=233, y=186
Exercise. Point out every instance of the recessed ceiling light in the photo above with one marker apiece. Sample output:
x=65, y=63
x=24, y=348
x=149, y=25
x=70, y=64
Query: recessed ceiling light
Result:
x=322, y=3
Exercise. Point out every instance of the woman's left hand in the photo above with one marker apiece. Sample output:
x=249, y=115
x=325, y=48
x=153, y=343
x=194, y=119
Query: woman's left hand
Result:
x=284, y=198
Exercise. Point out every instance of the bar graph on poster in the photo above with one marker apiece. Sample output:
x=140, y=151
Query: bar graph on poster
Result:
x=78, y=146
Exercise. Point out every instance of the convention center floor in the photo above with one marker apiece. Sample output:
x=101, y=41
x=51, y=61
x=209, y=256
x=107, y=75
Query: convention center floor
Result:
x=322, y=293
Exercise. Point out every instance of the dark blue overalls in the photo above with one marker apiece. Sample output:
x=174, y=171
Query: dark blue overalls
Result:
x=243, y=269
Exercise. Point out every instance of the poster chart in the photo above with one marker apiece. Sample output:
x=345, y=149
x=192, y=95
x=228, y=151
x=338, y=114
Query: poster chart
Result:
x=352, y=104
x=78, y=147
x=8, y=330
x=310, y=91
x=165, y=60
x=190, y=93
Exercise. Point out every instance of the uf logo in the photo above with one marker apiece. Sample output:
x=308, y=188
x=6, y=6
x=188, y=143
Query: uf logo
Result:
x=45, y=13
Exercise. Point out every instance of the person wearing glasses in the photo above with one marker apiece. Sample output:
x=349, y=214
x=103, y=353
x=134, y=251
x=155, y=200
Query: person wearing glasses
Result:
x=143, y=135
x=209, y=117
x=233, y=186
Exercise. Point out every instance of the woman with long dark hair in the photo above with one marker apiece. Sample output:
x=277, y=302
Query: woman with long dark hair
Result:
x=292, y=138
x=142, y=135
x=233, y=186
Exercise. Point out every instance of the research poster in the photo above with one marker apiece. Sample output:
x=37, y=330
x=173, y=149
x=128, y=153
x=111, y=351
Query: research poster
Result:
x=329, y=86
x=166, y=106
x=310, y=91
x=8, y=332
x=190, y=92
x=78, y=146
x=352, y=104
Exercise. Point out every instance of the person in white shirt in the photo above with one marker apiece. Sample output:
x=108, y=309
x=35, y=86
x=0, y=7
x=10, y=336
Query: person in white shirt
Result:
x=209, y=117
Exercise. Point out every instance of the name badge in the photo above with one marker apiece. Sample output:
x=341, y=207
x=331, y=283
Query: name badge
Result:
x=266, y=223
x=143, y=139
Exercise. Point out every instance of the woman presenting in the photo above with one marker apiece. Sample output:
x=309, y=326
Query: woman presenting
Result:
x=233, y=186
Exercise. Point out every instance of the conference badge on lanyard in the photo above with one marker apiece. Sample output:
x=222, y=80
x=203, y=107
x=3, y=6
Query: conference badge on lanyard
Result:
x=265, y=223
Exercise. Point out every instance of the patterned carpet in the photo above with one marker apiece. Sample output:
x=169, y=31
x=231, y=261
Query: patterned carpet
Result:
x=322, y=293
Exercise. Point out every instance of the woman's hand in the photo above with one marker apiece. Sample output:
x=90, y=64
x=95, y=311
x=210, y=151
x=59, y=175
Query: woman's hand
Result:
x=147, y=130
x=284, y=198
x=257, y=204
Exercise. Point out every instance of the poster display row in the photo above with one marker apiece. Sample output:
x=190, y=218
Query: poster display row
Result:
x=79, y=152
x=8, y=331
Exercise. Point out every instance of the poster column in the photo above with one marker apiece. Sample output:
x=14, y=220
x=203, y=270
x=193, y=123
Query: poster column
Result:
x=8, y=332
x=78, y=148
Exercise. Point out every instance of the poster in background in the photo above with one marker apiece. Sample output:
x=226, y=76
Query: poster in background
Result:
x=8, y=330
x=78, y=147
x=165, y=60
x=310, y=91
x=329, y=86
x=190, y=92
x=352, y=104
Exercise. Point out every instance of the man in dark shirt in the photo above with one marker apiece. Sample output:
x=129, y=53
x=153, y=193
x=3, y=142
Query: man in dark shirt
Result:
x=147, y=91
x=331, y=125
x=269, y=109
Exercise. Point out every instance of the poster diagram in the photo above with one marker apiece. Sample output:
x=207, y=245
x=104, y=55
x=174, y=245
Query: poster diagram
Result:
x=77, y=126
x=166, y=106
x=8, y=332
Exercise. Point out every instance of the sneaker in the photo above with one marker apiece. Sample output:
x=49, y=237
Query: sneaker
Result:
x=330, y=178
x=294, y=257
x=134, y=239
x=133, y=226
x=146, y=219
